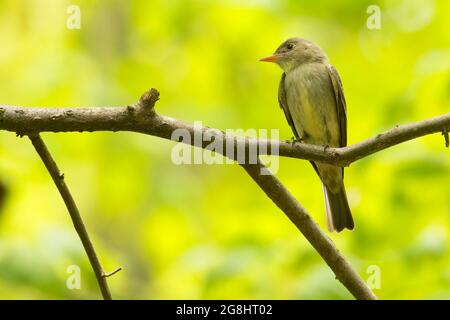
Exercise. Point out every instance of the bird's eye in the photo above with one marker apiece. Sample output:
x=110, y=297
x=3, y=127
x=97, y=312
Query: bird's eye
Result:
x=290, y=46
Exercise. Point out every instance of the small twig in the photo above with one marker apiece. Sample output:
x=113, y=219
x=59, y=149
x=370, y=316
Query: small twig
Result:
x=109, y=274
x=77, y=220
x=278, y=193
x=149, y=98
x=446, y=138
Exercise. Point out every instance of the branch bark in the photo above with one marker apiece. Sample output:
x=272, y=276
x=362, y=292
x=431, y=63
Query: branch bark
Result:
x=77, y=220
x=278, y=193
x=142, y=118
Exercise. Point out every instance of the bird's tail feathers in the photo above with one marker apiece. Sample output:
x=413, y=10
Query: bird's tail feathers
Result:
x=338, y=211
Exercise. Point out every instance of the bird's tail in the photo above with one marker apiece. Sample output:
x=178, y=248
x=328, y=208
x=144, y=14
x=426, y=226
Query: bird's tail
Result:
x=338, y=211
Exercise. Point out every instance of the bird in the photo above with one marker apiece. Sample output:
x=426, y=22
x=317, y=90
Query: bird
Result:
x=311, y=95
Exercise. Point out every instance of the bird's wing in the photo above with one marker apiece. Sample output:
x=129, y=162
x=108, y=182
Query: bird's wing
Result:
x=340, y=104
x=283, y=104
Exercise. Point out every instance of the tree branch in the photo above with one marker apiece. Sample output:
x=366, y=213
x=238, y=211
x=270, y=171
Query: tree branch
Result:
x=142, y=118
x=77, y=220
x=278, y=193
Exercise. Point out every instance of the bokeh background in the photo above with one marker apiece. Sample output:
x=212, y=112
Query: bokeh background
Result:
x=207, y=231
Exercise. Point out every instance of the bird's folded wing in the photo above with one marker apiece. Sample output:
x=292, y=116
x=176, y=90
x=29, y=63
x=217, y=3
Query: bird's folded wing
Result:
x=340, y=104
x=282, y=100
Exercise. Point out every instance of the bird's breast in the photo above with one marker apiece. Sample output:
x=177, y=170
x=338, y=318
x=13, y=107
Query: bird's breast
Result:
x=312, y=104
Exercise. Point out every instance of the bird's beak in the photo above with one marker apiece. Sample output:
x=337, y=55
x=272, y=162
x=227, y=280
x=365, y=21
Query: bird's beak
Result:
x=273, y=58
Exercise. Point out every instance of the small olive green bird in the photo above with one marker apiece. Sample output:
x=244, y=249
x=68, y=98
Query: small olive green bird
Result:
x=312, y=98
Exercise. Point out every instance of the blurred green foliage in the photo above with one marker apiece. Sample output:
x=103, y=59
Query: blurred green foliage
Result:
x=204, y=231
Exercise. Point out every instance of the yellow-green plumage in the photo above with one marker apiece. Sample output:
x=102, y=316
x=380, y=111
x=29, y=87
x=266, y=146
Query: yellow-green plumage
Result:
x=312, y=99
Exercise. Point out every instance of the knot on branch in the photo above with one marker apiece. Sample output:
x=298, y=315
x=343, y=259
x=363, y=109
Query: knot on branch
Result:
x=148, y=99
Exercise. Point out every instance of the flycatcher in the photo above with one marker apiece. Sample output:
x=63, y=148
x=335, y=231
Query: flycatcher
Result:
x=312, y=98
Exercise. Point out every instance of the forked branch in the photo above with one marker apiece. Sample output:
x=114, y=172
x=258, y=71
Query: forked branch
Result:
x=142, y=118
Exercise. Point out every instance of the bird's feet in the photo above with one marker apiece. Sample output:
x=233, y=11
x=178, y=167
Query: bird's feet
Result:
x=294, y=140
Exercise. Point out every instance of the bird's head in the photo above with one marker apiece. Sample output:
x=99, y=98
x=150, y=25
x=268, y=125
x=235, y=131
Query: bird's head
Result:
x=295, y=52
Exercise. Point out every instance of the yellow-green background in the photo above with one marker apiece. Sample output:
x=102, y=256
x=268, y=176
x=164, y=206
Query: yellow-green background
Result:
x=199, y=231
